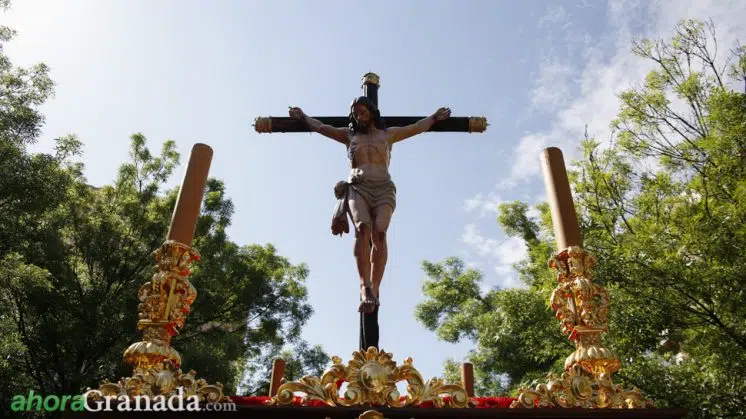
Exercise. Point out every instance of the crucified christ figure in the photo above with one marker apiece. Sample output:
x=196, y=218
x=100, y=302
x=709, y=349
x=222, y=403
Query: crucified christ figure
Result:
x=369, y=194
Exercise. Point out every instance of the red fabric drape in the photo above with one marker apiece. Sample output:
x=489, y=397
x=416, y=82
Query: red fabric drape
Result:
x=479, y=402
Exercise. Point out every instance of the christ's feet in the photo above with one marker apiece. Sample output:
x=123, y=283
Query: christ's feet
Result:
x=369, y=301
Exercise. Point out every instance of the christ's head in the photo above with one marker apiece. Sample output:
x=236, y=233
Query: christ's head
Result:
x=361, y=113
x=364, y=114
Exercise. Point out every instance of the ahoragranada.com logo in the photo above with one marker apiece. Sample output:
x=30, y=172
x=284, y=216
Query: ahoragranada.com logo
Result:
x=94, y=401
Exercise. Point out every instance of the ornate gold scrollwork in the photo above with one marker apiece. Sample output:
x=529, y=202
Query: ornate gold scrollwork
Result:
x=371, y=378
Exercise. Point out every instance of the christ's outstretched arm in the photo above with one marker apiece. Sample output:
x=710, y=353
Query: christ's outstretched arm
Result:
x=423, y=125
x=337, y=134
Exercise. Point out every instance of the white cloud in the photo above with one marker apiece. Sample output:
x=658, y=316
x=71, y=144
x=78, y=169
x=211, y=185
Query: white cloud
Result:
x=555, y=16
x=482, y=245
x=473, y=264
x=553, y=87
x=586, y=96
x=603, y=76
x=526, y=159
x=484, y=204
x=501, y=254
x=506, y=184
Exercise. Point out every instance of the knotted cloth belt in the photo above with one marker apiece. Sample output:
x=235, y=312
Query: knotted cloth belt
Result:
x=375, y=192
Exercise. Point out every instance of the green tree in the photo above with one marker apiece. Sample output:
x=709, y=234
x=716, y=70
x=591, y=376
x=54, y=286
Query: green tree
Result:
x=663, y=208
x=72, y=257
x=515, y=334
x=96, y=251
x=300, y=360
x=30, y=185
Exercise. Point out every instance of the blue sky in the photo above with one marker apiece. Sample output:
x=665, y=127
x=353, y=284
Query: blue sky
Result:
x=191, y=71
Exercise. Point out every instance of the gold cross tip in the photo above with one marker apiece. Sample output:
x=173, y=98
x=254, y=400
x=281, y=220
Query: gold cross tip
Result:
x=263, y=124
x=371, y=78
x=478, y=124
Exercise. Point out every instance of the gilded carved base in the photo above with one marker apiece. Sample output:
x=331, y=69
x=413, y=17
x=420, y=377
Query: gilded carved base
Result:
x=371, y=378
x=165, y=303
x=163, y=379
x=578, y=388
x=582, y=308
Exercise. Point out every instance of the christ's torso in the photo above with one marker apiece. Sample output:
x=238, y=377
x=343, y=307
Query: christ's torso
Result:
x=370, y=152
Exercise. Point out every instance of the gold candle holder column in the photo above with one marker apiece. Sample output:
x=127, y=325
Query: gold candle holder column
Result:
x=165, y=303
x=582, y=308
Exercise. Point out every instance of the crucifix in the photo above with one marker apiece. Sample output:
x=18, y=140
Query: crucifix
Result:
x=368, y=196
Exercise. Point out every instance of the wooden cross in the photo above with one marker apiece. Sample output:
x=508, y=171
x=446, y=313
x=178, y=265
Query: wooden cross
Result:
x=371, y=83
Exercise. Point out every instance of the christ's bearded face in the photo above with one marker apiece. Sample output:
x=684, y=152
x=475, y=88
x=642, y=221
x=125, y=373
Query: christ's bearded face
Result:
x=362, y=116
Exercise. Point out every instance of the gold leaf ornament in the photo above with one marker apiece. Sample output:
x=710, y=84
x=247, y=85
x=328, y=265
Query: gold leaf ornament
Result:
x=371, y=378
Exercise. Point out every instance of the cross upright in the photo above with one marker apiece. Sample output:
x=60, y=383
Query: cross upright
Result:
x=368, y=196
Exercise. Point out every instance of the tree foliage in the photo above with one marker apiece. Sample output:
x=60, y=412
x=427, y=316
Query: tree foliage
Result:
x=72, y=257
x=300, y=360
x=663, y=208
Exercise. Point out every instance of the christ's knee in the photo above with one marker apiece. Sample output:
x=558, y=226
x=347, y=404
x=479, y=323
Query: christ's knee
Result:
x=382, y=219
x=379, y=239
x=381, y=225
x=362, y=239
x=364, y=231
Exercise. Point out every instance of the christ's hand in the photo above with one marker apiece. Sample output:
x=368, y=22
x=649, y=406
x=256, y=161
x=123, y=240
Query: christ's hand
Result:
x=442, y=114
x=296, y=113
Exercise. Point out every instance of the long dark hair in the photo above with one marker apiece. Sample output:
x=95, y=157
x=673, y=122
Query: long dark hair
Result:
x=378, y=122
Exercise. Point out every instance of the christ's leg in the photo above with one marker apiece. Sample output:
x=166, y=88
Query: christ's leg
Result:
x=379, y=256
x=362, y=219
x=362, y=257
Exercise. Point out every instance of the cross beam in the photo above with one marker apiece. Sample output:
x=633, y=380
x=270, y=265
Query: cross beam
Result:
x=471, y=124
